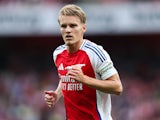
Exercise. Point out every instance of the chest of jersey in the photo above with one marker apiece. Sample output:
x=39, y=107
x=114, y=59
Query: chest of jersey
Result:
x=79, y=58
x=76, y=93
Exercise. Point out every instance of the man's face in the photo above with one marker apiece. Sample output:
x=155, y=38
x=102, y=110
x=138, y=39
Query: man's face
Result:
x=72, y=29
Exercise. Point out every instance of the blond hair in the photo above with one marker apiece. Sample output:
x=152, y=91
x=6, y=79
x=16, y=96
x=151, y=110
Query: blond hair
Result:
x=73, y=10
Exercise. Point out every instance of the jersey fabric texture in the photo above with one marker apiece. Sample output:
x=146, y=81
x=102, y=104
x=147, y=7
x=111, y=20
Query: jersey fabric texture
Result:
x=83, y=102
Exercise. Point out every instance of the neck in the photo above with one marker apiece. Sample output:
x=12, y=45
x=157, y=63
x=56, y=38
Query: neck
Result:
x=74, y=47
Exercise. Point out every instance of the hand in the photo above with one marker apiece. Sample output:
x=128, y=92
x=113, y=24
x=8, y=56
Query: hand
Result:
x=76, y=73
x=50, y=98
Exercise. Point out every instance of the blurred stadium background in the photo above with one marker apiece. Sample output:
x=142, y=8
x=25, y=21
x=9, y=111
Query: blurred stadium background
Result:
x=128, y=29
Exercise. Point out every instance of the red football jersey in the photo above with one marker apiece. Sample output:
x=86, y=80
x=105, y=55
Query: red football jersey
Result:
x=81, y=101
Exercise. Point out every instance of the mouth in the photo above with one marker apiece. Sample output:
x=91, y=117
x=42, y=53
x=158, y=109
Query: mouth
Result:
x=68, y=37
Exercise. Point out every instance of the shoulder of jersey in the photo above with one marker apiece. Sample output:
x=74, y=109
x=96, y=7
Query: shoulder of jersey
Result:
x=59, y=49
x=89, y=44
x=93, y=48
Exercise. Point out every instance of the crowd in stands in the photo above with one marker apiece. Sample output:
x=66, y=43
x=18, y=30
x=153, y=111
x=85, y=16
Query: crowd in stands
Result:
x=70, y=1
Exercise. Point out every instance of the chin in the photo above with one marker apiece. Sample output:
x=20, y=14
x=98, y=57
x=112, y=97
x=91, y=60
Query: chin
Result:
x=68, y=43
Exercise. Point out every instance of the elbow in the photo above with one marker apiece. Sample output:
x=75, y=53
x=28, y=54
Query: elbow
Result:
x=119, y=90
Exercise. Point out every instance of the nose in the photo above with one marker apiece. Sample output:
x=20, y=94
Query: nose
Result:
x=68, y=29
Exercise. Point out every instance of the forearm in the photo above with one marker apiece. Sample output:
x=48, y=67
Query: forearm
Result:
x=59, y=90
x=112, y=85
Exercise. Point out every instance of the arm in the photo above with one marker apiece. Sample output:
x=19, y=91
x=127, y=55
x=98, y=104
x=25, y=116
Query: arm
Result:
x=59, y=90
x=111, y=85
x=52, y=97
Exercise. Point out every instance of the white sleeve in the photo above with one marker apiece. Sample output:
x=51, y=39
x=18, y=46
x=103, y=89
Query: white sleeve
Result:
x=106, y=68
x=58, y=50
x=100, y=60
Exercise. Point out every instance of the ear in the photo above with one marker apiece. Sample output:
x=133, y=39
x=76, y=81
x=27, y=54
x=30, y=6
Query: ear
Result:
x=84, y=27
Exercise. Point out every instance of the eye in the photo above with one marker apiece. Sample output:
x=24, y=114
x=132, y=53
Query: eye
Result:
x=73, y=25
x=63, y=26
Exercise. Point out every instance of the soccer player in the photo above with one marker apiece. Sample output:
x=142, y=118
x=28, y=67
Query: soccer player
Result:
x=87, y=74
